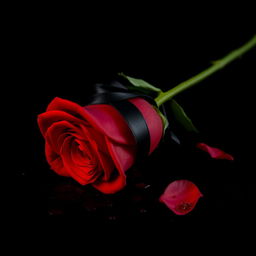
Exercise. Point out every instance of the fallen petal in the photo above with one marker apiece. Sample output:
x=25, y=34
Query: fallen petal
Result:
x=181, y=196
x=214, y=152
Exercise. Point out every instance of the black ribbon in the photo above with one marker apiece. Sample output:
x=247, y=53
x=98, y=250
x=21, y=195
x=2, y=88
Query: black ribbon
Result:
x=117, y=95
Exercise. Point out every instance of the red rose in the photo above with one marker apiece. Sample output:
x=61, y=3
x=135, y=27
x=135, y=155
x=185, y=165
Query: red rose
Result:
x=94, y=144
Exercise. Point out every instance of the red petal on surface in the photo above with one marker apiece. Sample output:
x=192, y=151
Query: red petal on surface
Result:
x=104, y=118
x=153, y=120
x=214, y=152
x=181, y=196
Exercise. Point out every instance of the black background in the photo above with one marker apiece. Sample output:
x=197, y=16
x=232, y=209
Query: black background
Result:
x=65, y=58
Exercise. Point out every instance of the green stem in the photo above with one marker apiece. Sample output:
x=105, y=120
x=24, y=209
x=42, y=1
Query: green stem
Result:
x=217, y=65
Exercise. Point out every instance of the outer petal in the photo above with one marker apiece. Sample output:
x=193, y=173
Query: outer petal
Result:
x=214, y=152
x=58, y=131
x=181, y=196
x=45, y=120
x=102, y=152
x=112, y=186
x=104, y=118
x=153, y=120
x=123, y=158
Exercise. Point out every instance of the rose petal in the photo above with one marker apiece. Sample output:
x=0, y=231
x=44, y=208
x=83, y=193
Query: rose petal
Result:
x=57, y=132
x=84, y=175
x=153, y=120
x=123, y=158
x=114, y=126
x=214, y=152
x=45, y=120
x=80, y=157
x=181, y=196
x=55, y=161
x=101, y=150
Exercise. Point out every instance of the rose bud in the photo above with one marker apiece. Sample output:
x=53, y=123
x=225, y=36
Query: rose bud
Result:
x=94, y=144
x=181, y=196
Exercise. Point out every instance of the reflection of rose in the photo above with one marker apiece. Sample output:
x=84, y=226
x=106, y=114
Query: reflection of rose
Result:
x=94, y=144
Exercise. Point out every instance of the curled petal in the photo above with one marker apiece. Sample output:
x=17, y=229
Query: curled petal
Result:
x=58, y=131
x=181, y=196
x=55, y=161
x=214, y=152
x=123, y=159
x=101, y=150
x=47, y=119
x=112, y=186
x=82, y=174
